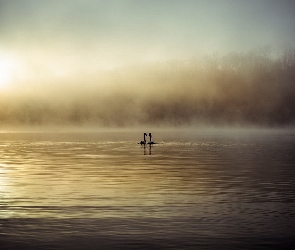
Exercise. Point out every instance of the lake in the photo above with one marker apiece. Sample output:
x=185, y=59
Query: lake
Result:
x=197, y=189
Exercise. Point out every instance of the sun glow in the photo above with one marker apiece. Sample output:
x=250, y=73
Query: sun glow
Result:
x=10, y=69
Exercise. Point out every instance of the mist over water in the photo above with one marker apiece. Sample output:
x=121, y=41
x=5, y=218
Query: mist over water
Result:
x=253, y=88
x=81, y=81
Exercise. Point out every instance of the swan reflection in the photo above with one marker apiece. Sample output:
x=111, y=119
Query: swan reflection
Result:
x=150, y=149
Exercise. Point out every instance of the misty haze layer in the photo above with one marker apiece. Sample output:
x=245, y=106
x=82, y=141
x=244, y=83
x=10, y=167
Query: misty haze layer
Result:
x=235, y=89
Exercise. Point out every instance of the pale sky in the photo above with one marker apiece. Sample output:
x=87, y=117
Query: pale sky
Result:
x=63, y=36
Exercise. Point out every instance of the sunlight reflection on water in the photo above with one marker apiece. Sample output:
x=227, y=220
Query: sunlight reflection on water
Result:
x=191, y=191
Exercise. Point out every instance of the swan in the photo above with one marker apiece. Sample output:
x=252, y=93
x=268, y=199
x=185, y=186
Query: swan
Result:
x=151, y=142
x=144, y=141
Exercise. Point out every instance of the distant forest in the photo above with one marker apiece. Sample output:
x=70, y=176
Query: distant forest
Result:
x=252, y=88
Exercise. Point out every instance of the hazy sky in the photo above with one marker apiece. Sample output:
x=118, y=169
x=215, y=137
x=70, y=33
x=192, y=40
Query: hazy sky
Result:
x=54, y=55
x=69, y=35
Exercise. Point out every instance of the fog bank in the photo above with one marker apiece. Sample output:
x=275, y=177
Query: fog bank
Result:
x=234, y=89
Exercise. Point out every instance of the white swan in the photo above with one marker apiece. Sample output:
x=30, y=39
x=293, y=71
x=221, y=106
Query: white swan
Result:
x=144, y=141
x=151, y=142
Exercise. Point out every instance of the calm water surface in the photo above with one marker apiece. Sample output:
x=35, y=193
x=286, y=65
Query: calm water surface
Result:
x=198, y=190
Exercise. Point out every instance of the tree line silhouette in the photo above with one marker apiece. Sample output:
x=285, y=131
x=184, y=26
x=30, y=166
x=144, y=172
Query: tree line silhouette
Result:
x=251, y=88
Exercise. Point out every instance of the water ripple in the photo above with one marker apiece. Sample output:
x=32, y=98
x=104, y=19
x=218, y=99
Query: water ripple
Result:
x=182, y=193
